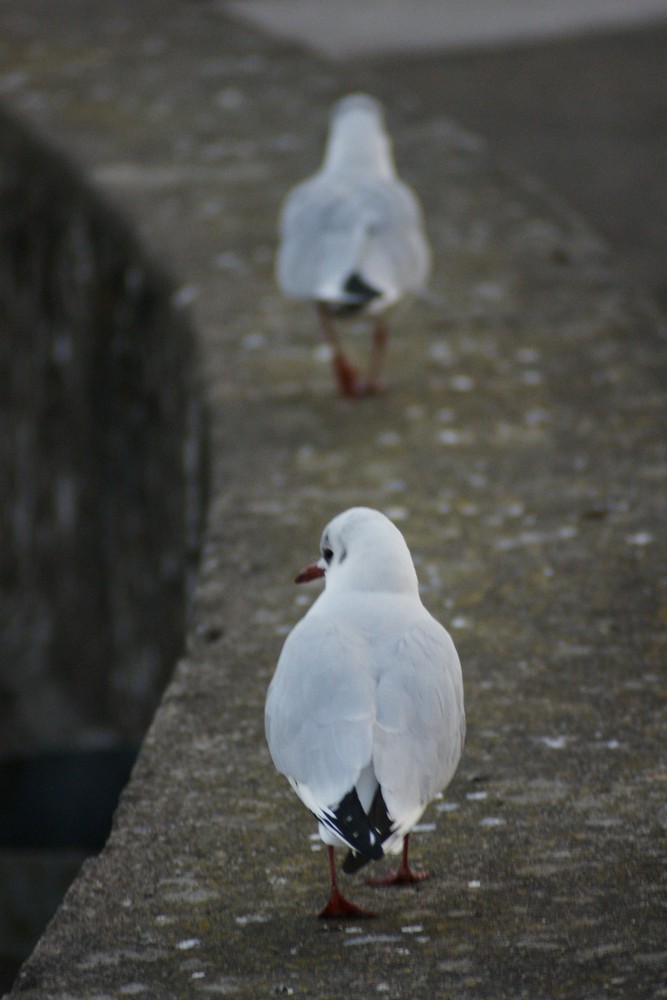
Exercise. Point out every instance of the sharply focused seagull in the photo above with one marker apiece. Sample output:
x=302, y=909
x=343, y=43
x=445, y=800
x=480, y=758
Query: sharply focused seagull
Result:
x=351, y=236
x=364, y=715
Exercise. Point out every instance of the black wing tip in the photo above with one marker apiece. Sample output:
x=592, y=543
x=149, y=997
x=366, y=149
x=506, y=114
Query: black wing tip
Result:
x=357, y=294
x=354, y=861
x=352, y=824
x=360, y=289
x=380, y=822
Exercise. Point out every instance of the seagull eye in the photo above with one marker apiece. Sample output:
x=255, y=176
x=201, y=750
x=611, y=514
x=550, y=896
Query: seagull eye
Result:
x=328, y=555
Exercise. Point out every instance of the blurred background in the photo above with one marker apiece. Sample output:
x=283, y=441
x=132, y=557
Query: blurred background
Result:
x=574, y=93
x=103, y=466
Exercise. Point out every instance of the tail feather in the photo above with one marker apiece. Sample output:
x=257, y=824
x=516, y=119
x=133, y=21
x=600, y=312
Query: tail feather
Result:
x=358, y=293
x=352, y=824
x=358, y=288
x=378, y=817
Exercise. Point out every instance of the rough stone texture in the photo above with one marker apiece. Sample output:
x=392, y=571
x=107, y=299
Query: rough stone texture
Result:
x=583, y=114
x=521, y=448
x=100, y=424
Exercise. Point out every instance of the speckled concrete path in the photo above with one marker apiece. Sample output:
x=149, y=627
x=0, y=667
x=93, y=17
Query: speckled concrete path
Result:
x=387, y=27
x=521, y=448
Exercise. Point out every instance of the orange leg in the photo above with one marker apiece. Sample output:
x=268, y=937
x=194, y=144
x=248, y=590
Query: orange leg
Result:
x=373, y=383
x=345, y=373
x=403, y=875
x=338, y=906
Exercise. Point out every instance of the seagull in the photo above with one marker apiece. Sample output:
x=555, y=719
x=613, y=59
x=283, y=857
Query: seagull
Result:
x=364, y=714
x=351, y=236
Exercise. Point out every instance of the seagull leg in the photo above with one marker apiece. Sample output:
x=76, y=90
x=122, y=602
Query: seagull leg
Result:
x=373, y=384
x=345, y=373
x=338, y=906
x=403, y=875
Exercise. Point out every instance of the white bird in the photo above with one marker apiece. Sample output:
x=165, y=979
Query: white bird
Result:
x=351, y=236
x=364, y=714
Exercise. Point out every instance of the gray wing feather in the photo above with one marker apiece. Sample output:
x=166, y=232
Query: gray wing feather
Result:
x=319, y=709
x=330, y=229
x=420, y=724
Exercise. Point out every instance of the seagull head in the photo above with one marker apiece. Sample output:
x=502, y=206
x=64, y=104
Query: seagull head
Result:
x=361, y=549
x=357, y=138
x=361, y=104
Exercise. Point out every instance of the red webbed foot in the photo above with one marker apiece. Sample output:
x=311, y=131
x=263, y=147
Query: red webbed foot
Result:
x=402, y=876
x=371, y=387
x=339, y=907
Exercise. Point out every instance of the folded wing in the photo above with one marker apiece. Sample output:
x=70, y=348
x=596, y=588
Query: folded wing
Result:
x=319, y=723
x=420, y=723
x=333, y=231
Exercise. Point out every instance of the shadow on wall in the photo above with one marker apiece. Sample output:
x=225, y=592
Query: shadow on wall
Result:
x=102, y=495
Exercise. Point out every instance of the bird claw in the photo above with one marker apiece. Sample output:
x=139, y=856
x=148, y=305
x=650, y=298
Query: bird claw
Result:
x=339, y=907
x=352, y=387
x=371, y=387
x=402, y=876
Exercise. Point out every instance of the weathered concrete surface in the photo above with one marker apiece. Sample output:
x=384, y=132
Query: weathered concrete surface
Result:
x=351, y=29
x=522, y=448
x=584, y=115
x=100, y=423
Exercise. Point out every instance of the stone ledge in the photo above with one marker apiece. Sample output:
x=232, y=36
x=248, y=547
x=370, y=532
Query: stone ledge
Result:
x=101, y=406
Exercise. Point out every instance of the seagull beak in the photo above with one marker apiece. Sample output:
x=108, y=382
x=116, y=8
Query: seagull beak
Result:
x=308, y=573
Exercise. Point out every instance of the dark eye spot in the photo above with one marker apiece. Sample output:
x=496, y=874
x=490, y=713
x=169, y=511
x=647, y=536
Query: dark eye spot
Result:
x=328, y=554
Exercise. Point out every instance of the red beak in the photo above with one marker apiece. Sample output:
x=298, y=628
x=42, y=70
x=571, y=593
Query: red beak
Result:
x=308, y=573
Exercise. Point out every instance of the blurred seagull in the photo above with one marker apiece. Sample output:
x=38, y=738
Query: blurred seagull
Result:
x=351, y=236
x=364, y=714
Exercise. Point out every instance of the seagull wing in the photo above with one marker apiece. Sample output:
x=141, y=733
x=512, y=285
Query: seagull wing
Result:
x=337, y=229
x=420, y=722
x=319, y=714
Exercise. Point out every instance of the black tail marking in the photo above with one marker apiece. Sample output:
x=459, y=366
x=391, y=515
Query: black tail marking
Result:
x=358, y=294
x=351, y=823
x=378, y=817
x=358, y=288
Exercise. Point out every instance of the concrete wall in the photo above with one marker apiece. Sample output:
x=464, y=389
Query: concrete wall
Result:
x=101, y=455
x=102, y=492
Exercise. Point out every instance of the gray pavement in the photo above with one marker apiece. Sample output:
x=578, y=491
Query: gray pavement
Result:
x=521, y=448
x=584, y=115
x=574, y=94
x=348, y=29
